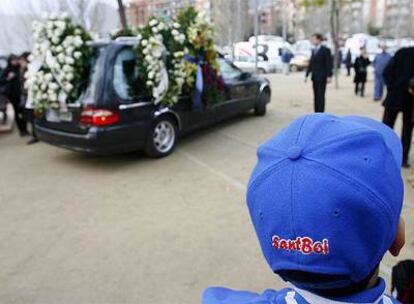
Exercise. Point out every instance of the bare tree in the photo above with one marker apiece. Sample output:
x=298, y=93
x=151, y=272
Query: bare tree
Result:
x=335, y=7
x=122, y=15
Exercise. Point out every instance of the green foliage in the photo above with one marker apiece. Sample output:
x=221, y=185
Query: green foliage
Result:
x=373, y=30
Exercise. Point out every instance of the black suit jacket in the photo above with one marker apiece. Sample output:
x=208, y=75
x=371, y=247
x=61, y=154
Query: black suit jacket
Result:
x=320, y=65
x=397, y=75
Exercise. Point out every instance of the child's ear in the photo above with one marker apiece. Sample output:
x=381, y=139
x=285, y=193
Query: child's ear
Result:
x=399, y=240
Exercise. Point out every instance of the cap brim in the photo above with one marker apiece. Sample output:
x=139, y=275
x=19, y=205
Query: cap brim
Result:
x=391, y=139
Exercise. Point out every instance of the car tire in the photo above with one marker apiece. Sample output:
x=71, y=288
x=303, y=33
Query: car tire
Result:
x=264, y=98
x=261, y=71
x=162, y=137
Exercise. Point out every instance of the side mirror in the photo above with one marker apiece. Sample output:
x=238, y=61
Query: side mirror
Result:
x=245, y=76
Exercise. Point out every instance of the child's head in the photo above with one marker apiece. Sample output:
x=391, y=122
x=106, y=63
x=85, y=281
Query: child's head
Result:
x=325, y=199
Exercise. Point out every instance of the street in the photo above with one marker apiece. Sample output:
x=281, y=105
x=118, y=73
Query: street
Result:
x=127, y=229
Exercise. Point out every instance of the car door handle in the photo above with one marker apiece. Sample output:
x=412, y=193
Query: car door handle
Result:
x=134, y=105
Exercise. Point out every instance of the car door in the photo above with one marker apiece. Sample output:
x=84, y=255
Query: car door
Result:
x=240, y=91
x=128, y=91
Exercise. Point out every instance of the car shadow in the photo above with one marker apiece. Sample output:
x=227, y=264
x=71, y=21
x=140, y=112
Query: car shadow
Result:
x=119, y=161
x=220, y=126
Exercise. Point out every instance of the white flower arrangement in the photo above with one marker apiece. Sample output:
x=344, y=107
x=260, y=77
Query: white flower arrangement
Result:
x=57, y=62
x=165, y=72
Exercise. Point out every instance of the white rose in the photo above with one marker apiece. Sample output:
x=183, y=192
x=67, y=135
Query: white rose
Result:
x=77, y=55
x=153, y=22
x=53, y=86
x=69, y=50
x=61, y=58
x=161, y=27
x=69, y=76
x=175, y=32
x=60, y=24
x=68, y=87
x=78, y=32
x=148, y=58
x=59, y=49
x=151, y=75
x=157, y=53
x=67, y=68
x=176, y=25
x=155, y=30
x=78, y=41
x=48, y=77
x=150, y=83
x=69, y=60
x=52, y=96
x=55, y=39
x=144, y=42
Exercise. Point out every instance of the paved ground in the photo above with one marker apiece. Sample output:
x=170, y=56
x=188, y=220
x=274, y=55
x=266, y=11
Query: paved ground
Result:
x=126, y=229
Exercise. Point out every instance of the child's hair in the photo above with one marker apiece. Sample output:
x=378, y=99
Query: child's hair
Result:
x=309, y=278
x=402, y=281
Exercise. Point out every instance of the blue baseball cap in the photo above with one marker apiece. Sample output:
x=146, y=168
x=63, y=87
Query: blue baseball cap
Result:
x=326, y=195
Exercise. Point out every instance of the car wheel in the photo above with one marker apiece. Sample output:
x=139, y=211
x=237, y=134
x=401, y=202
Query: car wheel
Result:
x=261, y=71
x=260, y=108
x=294, y=68
x=162, y=138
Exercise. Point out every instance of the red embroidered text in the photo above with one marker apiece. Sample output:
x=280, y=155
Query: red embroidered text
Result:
x=303, y=244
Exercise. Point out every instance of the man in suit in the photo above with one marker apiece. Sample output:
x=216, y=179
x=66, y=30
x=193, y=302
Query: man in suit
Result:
x=398, y=76
x=320, y=66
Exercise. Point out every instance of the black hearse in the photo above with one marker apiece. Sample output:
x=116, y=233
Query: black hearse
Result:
x=108, y=118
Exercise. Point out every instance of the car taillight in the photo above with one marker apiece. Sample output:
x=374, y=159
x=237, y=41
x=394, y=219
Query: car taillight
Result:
x=98, y=117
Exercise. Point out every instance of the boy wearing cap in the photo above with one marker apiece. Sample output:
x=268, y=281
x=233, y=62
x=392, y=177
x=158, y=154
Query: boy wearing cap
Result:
x=325, y=200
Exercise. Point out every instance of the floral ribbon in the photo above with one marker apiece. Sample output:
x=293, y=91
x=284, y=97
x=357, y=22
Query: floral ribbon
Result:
x=199, y=83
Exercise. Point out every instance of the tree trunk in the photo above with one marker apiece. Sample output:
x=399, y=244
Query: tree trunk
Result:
x=334, y=21
x=122, y=15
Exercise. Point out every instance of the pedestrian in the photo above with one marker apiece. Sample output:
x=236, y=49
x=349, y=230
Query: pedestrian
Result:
x=397, y=76
x=286, y=58
x=323, y=214
x=340, y=59
x=348, y=62
x=320, y=66
x=361, y=69
x=380, y=62
x=10, y=80
x=27, y=104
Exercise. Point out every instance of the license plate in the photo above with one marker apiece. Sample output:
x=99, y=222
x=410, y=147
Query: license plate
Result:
x=56, y=116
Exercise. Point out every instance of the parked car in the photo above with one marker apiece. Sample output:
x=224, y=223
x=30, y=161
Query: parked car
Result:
x=247, y=64
x=109, y=118
x=299, y=62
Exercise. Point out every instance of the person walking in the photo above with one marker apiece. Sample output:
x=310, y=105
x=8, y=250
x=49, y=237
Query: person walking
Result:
x=348, y=62
x=397, y=76
x=320, y=66
x=10, y=79
x=26, y=104
x=286, y=58
x=380, y=62
x=361, y=66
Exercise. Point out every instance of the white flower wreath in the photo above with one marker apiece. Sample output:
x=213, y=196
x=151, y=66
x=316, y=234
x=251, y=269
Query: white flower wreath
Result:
x=165, y=73
x=56, y=62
